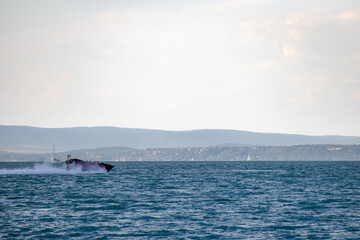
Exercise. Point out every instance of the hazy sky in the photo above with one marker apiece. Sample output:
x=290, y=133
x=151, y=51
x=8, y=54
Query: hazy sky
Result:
x=266, y=66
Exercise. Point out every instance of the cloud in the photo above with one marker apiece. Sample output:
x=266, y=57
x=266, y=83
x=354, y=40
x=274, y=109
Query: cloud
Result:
x=108, y=52
x=350, y=15
x=269, y=63
x=356, y=59
x=289, y=51
x=308, y=97
x=42, y=90
x=349, y=79
x=225, y=6
x=307, y=91
x=140, y=60
x=251, y=33
x=294, y=20
x=355, y=96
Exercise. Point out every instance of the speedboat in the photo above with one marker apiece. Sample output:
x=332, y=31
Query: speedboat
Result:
x=85, y=166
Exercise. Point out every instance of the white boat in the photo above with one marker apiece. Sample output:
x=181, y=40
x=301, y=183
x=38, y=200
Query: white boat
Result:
x=52, y=158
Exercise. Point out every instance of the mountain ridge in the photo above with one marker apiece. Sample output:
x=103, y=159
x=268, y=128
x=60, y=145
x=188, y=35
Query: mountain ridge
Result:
x=27, y=138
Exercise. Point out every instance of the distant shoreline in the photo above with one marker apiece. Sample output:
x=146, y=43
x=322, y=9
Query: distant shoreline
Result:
x=324, y=152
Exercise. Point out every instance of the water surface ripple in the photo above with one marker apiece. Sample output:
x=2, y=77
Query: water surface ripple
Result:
x=182, y=200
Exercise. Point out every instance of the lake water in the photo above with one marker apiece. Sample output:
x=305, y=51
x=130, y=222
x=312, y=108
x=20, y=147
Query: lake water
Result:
x=182, y=200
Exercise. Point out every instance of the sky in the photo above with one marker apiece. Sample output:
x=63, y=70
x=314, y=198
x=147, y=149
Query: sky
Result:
x=265, y=66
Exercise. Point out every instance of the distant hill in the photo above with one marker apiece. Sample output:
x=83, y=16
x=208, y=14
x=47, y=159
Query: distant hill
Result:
x=24, y=138
x=254, y=153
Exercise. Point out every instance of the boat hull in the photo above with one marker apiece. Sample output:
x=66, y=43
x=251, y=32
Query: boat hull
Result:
x=86, y=166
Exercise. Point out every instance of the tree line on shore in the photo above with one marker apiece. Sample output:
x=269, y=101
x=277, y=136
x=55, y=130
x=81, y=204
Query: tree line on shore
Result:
x=216, y=153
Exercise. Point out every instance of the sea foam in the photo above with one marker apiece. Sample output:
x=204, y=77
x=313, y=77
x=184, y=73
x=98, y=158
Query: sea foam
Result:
x=47, y=168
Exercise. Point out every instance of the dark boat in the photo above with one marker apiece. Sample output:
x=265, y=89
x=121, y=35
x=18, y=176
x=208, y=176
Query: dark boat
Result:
x=85, y=166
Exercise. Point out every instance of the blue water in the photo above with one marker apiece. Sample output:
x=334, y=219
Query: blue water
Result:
x=182, y=200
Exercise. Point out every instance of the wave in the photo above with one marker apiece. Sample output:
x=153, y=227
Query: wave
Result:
x=259, y=170
x=47, y=168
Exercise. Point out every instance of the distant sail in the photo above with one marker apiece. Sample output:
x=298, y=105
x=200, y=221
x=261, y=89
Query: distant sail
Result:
x=53, y=159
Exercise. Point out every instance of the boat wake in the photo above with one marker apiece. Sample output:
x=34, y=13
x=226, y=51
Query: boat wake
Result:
x=46, y=168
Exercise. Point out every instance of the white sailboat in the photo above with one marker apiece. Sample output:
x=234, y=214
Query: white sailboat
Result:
x=53, y=159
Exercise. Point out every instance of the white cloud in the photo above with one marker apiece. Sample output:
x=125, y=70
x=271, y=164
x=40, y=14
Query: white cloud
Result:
x=350, y=15
x=307, y=97
x=241, y=56
x=289, y=51
x=251, y=33
x=356, y=59
x=294, y=20
x=42, y=90
x=355, y=96
x=268, y=64
x=349, y=79
x=225, y=6
x=108, y=52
